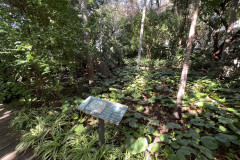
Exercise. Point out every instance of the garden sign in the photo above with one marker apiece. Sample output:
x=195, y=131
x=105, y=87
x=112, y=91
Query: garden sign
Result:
x=103, y=110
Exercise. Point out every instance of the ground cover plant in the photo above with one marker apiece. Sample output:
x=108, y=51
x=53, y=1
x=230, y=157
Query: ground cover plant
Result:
x=175, y=64
x=210, y=125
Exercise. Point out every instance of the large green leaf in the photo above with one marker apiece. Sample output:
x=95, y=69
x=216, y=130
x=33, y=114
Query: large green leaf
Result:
x=157, y=147
x=237, y=142
x=79, y=129
x=154, y=122
x=234, y=111
x=168, y=151
x=209, y=142
x=136, y=146
x=172, y=125
x=225, y=120
x=129, y=120
x=184, y=142
x=133, y=124
x=205, y=151
x=223, y=129
x=210, y=124
x=173, y=157
x=149, y=129
x=165, y=138
x=224, y=138
x=175, y=145
x=183, y=151
x=234, y=128
x=138, y=115
x=192, y=133
x=198, y=122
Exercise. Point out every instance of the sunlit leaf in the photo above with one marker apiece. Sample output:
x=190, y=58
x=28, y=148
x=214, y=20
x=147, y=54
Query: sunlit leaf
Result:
x=157, y=147
x=136, y=146
x=79, y=129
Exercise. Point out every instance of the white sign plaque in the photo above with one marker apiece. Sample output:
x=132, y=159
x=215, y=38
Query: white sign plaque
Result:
x=106, y=110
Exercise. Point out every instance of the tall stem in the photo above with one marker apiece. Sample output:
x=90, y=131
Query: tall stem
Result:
x=83, y=5
x=141, y=35
x=233, y=18
x=180, y=95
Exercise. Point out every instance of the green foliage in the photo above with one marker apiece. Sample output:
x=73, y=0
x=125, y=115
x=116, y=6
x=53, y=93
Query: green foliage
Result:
x=173, y=126
x=203, y=56
x=136, y=146
x=36, y=47
x=43, y=41
x=156, y=147
x=159, y=30
x=65, y=133
x=209, y=142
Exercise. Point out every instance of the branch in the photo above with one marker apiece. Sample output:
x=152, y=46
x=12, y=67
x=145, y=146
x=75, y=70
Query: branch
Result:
x=219, y=51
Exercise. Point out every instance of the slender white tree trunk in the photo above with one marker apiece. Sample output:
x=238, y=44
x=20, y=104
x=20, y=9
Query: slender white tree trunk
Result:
x=233, y=18
x=141, y=35
x=83, y=5
x=151, y=4
x=180, y=95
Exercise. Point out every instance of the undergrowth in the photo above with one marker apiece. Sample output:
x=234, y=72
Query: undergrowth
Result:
x=210, y=127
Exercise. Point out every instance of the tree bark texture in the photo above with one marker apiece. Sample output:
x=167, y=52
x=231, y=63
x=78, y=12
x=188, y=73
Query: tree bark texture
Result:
x=141, y=35
x=90, y=68
x=180, y=95
x=233, y=18
x=216, y=53
x=101, y=67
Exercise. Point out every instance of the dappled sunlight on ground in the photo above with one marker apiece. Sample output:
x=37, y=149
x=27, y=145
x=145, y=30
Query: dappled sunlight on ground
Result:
x=210, y=118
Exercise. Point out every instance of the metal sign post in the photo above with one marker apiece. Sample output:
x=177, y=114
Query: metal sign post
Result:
x=101, y=131
x=103, y=110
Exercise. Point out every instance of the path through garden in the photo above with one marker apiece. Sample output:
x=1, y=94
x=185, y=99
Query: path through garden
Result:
x=10, y=139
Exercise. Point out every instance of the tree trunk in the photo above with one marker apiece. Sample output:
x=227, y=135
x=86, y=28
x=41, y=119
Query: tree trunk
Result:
x=151, y=4
x=158, y=4
x=141, y=35
x=216, y=50
x=83, y=5
x=92, y=61
x=209, y=36
x=101, y=67
x=233, y=18
x=180, y=95
x=181, y=34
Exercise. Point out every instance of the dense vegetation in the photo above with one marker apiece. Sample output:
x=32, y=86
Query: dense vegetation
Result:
x=49, y=51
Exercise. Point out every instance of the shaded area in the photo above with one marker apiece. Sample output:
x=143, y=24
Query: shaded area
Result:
x=60, y=131
x=10, y=139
